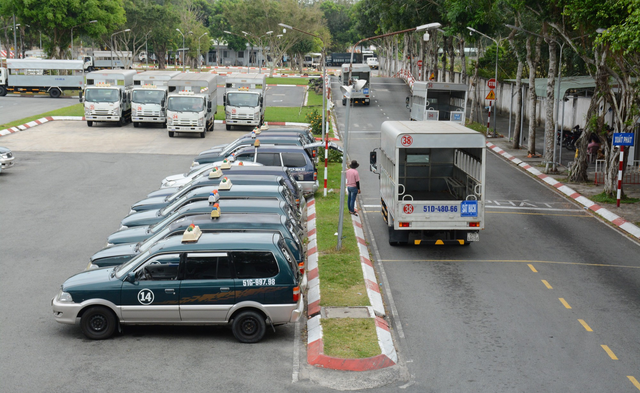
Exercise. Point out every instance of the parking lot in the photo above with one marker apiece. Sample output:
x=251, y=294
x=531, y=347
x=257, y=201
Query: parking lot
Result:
x=68, y=191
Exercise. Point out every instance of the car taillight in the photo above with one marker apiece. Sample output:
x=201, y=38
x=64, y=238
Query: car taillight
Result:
x=403, y=224
x=474, y=224
x=315, y=176
x=314, y=153
x=301, y=267
x=296, y=294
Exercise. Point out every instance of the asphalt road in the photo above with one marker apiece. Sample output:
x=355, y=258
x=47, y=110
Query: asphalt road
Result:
x=14, y=107
x=68, y=191
x=495, y=316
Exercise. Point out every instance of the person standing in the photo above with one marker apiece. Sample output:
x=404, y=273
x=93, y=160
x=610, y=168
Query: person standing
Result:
x=353, y=186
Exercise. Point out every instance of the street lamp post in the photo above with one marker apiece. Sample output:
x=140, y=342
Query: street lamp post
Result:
x=117, y=32
x=495, y=118
x=81, y=24
x=347, y=90
x=14, y=44
x=325, y=135
x=199, y=63
x=184, y=69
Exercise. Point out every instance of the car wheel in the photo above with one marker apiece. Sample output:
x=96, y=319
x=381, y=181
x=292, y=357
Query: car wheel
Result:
x=249, y=327
x=3, y=91
x=98, y=323
x=170, y=134
x=89, y=123
x=228, y=127
x=202, y=134
x=55, y=93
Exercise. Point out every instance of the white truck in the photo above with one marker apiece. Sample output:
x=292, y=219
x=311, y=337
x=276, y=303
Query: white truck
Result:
x=244, y=100
x=192, y=103
x=432, y=181
x=40, y=76
x=107, y=96
x=149, y=97
x=359, y=72
x=104, y=59
x=438, y=101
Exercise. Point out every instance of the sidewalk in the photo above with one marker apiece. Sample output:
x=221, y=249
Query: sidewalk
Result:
x=626, y=217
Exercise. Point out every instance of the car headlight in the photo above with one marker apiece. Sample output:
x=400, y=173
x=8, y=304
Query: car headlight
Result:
x=4, y=156
x=194, y=164
x=200, y=121
x=64, y=297
x=170, y=183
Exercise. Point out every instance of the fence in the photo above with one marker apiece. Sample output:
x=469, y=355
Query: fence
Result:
x=631, y=173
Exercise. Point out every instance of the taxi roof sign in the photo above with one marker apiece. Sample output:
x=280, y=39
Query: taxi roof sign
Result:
x=191, y=234
x=226, y=164
x=214, y=197
x=265, y=126
x=215, y=173
x=256, y=143
x=225, y=184
x=215, y=211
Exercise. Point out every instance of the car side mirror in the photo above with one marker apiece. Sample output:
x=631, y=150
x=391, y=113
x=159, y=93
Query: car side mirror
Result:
x=407, y=101
x=80, y=97
x=224, y=100
x=131, y=277
x=163, y=102
x=373, y=161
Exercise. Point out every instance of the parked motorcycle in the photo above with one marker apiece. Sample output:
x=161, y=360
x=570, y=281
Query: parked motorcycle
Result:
x=569, y=138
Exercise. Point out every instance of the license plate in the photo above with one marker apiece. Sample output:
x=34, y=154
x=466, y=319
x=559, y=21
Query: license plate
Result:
x=441, y=209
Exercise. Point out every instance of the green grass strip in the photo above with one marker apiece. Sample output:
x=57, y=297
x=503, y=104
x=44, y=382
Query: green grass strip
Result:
x=73, y=110
x=350, y=338
x=287, y=81
x=341, y=280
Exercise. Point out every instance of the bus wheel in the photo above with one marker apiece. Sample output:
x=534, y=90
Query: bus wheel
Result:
x=3, y=91
x=55, y=93
x=170, y=134
x=89, y=123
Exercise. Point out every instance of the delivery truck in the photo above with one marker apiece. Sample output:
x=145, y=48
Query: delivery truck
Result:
x=107, y=96
x=192, y=103
x=432, y=182
x=438, y=101
x=352, y=73
x=244, y=100
x=40, y=76
x=149, y=97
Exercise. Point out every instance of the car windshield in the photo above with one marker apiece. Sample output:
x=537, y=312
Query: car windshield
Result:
x=143, y=96
x=198, y=170
x=173, y=205
x=186, y=104
x=146, y=245
x=101, y=95
x=127, y=266
x=167, y=220
x=242, y=99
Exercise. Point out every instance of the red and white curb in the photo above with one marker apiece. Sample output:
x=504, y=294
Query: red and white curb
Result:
x=615, y=219
x=37, y=122
x=47, y=119
x=315, y=348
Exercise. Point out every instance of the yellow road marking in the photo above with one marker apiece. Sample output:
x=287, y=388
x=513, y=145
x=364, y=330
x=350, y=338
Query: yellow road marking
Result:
x=546, y=284
x=507, y=261
x=565, y=303
x=533, y=269
x=634, y=382
x=584, y=324
x=609, y=352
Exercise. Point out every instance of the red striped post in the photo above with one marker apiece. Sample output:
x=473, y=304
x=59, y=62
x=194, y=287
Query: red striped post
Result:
x=489, y=119
x=620, y=175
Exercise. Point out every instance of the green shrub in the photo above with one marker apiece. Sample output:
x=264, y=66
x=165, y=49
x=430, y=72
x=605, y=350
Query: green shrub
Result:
x=314, y=118
x=334, y=155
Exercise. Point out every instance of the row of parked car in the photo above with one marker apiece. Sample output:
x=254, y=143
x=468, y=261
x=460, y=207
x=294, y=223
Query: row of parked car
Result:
x=222, y=244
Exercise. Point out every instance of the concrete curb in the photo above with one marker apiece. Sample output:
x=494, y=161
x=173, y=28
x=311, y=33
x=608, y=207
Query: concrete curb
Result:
x=43, y=120
x=315, y=348
x=607, y=215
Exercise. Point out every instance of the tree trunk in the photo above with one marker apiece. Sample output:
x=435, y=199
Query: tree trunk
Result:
x=549, y=125
x=445, y=48
x=434, y=54
x=532, y=62
x=452, y=55
x=463, y=61
x=516, y=128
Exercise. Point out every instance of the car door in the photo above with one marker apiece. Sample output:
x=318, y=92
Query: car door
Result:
x=207, y=291
x=153, y=296
x=255, y=273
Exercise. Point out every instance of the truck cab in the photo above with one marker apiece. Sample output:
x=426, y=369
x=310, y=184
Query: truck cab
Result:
x=244, y=100
x=358, y=72
x=149, y=97
x=192, y=103
x=439, y=101
x=107, y=96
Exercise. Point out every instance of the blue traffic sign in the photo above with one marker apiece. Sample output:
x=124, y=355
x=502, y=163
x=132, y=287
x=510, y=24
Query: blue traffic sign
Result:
x=469, y=208
x=623, y=138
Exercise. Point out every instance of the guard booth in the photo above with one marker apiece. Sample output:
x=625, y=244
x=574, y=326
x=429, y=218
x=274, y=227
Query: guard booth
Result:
x=438, y=101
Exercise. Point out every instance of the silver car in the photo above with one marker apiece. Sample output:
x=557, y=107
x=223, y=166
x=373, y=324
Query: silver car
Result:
x=6, y=158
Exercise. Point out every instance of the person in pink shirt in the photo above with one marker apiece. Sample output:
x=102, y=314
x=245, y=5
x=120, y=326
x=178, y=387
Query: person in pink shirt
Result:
x=353, y=186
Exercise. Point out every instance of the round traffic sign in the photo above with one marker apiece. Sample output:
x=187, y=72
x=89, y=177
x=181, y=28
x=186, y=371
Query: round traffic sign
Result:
x=491, y=83
x=419, y=63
